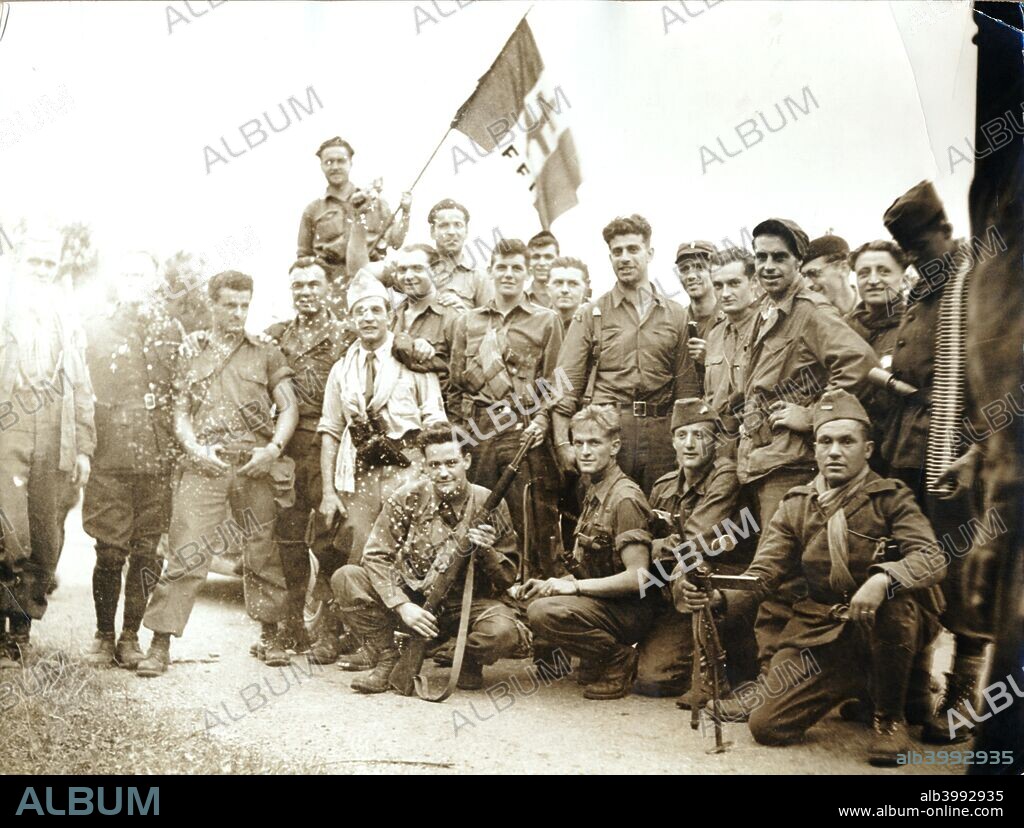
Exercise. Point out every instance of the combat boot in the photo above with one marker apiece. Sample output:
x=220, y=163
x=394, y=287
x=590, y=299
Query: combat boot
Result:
x=101, y=651
x=294, y=636
x=157, y=659
x=471, y=677
x=383, y=649
x=128, y=653
x=616, y=682
x=272, y=647
x=360, y=661
x=730, y=709
x=587, y=673
x=961, y=693
x=888, y=741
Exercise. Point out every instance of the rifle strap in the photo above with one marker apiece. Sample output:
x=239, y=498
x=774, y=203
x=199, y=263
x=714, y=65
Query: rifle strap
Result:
x=460, y=644
x=595, y=355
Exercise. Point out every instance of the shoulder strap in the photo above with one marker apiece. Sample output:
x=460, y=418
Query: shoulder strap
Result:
x=594, y=357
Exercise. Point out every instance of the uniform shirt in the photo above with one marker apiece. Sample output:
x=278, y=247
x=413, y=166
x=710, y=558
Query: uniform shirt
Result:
x=706, y=323
x=798, y=347
x=311, y=349
x=470, y=286
x=229, y=400
x=698, y=510
x=796, y=541
x=540, y=294
x=725, y=359
x=639, y=358
x=530, y=337
x=326, y=222
x=433, y=323
x=613, y=506
x=132, y=358
x=410, y=539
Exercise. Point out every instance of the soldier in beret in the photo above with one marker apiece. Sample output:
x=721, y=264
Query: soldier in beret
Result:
x=826, y=270
x=695, y=508
x=596, y=612
x=870, y=560
x=924, y=456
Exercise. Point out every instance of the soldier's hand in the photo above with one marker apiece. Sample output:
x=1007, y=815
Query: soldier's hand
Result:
x=330, y=506
x=83, y=468
x=205, y=457
x=483, y=536
x=448, y=299
x=418, y=619
x=192, y=344
x=698, y=349
x=536, y=433
x=689, y=596
x=422, y=350
x=259, y=464
x=566, y=456
x=866, y=600
x=959, y=476
x=406, y=201
x=789, y=415
x=536, y=588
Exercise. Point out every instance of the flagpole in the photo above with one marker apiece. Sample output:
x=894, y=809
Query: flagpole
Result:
x=433, y=155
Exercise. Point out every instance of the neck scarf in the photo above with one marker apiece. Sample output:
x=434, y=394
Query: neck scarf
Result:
x=833, y=503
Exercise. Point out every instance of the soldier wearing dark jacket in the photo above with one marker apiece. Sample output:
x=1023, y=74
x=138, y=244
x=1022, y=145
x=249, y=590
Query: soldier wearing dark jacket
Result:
x=132, y=355
x=870, y=560
x=695, y=509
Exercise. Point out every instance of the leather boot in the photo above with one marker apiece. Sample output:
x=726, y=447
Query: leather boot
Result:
x=961, y=692
x=472, y=675
x=617, y=680
x=889, y=739
x=157, y=659
x=382, y=646
x=363, y=659
x=101, y=651
x=274, y=652
x=128, y=653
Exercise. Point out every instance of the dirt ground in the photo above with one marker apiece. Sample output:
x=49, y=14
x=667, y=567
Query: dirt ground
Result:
x=306, y=716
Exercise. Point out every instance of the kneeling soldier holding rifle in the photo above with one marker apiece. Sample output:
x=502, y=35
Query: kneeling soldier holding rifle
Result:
x=870, y=558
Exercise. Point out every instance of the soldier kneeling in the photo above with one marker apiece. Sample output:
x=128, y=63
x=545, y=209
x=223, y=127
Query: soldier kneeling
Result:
x=870, y=559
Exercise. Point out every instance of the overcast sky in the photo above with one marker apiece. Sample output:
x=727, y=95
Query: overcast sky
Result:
x=105, y=113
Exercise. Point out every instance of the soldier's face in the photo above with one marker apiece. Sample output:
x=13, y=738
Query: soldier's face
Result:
x=449, y=231
x=412, y=269
x=336, y=164
x=630, y=256
x=447, y=467
x=595, y=450
x=40, y=258
x=230, y=310
x=509, y=275
x=540, y=261
x=929, y=244
x=371, y=321
x=879, y=278
x=694, y=445
x=694, y=274
x=568, y=287
x=826, y=278
x=309, y=289
x=735, y=291
x=776, y=267
x=841, y=450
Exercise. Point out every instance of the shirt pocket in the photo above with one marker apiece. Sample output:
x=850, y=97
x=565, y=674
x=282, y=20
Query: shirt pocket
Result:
x=615, y=344
x=403, y=402
x=329, y=226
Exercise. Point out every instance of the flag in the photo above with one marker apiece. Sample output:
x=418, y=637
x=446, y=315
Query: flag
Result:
x=513, y=109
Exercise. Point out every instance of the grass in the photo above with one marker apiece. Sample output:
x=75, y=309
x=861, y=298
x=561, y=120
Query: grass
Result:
x=60, y=715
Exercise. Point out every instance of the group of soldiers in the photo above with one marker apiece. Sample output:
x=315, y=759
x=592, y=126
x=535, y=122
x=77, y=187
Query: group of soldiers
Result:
x=775, y=430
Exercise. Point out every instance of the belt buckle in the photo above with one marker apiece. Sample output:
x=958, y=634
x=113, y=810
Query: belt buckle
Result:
x=639, y=408
x=149, y=400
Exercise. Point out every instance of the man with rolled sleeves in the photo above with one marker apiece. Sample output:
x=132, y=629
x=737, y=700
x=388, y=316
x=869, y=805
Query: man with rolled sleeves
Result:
x=422, y=525
x=131, y=352
x=917, y=221
x=234, y=472
x=694, y=508
x=826, y=270
x=460, y=285
x=632, y=341
x=47, y=434
x=597, y=611
x=311, y=343
x=871, y=562
x=503, y=355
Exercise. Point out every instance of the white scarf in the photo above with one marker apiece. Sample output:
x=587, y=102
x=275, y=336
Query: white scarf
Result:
x=353, y=402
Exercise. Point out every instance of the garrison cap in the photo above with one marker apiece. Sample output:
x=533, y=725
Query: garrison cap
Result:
x=917, y=209
x=838, y=404
x=695, y=248
x=692, y=410
x=826, y=246
x=785, y=229
x=365, y=285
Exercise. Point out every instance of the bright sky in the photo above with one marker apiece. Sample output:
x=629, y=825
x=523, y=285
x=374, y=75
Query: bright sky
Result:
x=104, y=116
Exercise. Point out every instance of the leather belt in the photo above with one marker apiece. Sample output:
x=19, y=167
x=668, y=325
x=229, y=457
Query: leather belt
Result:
x=642, y=408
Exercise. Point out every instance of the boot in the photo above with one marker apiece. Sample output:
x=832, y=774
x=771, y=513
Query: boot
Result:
x=856, y=710
x=587, y=673
x=888, y=741
x=324, y=650
x=617, y=679
x=921, y=689
x=157, y=659
x=7, y=660
x=128, y=653
x=294, y=636
x=18, y=647
x=961, y=690
x=472, y=675
x=382, y=647
x=274, y=653
x=729, y=710
x=360, y=661
x=101, y=651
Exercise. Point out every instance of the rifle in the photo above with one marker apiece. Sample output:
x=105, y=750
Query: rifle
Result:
x=406, y=675
x=708, y=649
